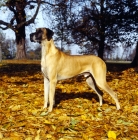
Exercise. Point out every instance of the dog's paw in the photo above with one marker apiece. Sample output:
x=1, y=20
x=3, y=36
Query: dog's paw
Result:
x=118, y=107
x=101, y=102
x=45, y=105
x=50, y=109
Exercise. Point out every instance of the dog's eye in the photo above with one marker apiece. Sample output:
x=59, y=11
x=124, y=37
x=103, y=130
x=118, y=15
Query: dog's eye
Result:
x=39, y=31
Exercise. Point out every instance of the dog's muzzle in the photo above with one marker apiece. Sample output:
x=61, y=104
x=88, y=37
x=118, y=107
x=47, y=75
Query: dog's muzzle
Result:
x=32, y=36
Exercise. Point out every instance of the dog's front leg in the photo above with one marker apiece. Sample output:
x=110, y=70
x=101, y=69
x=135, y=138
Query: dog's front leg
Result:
x=46, y=91
x=52, y=94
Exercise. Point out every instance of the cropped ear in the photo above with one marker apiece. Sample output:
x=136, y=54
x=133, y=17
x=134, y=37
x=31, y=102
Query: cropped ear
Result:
x=50, y=33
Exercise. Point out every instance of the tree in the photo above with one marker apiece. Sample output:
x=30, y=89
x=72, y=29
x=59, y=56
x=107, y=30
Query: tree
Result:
x=98, y=25
x=4, y=47
x=105, y=22
x=34, y=53
x=60, y=13
x=2, y=38
x=7, y=47
x=11, y=46
x=135, y=60
x=0, y=54
x=38, y=52
x=19, y=20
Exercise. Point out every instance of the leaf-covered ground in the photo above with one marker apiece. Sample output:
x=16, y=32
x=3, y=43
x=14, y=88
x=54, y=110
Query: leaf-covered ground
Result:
x=76, y=114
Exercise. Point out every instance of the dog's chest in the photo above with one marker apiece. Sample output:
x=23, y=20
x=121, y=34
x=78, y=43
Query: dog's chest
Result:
x=43, y=65
x=44, y=62
x=45, y=72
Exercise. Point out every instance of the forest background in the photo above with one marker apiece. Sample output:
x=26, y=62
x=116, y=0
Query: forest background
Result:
x=105, y=28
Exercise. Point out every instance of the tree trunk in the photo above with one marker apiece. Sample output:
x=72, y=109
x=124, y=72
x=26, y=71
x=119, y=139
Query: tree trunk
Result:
x=20, y=43
x=101, y=32
x=134, y=63
x=20, y=30
x=0, y=54
x=101, y=50
x=21, y=51
x=101, y=47
x=20, y=40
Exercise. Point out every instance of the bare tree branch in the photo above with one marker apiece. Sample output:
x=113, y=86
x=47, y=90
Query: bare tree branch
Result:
x=26, y=23
x=33, y=18
x=18, y=21
x=8, y=25
x=12, y=20
x=41, y=2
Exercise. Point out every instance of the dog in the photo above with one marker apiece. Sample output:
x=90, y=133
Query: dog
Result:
x=56, y=65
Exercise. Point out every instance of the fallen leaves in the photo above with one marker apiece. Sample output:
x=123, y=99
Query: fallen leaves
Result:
x=76, y=115
x=111, y=135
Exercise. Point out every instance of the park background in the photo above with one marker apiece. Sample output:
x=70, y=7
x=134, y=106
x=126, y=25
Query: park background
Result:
x=107, y=28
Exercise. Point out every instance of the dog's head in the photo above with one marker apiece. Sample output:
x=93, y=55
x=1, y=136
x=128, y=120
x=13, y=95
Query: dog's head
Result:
x=41, y=34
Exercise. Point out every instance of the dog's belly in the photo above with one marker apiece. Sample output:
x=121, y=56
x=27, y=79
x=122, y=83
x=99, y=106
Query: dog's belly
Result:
x=62, y=77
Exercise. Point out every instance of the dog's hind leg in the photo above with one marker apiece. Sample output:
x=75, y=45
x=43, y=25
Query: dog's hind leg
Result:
x=91, y=82
x=106, y=88
x=100, y=78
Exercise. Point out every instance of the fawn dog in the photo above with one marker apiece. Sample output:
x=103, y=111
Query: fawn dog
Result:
x=56, y=65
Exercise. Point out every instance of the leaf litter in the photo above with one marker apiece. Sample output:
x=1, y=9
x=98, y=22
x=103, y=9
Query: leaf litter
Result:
x=76, y=114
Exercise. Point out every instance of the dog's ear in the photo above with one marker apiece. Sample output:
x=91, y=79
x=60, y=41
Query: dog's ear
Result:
x=50, y=33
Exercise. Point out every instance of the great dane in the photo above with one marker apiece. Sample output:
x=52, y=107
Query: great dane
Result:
x=56, y=65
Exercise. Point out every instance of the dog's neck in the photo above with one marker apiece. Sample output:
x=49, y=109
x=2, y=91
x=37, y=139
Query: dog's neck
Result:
x=48, y=46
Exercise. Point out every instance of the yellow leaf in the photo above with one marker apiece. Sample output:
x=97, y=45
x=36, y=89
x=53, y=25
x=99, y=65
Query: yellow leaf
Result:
x=112, y=135
x=15, y=108
x=83, y=117
x=29, y=138
x=48, y=136
x=34, y=112
x=63, y=118
x=122, y=91
x=20, y=124
x=47, y=122
x=15, y=136
x=1, y=135
x=36, y=102
x=38, y=135
x=44, y=114
x=85, y=137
